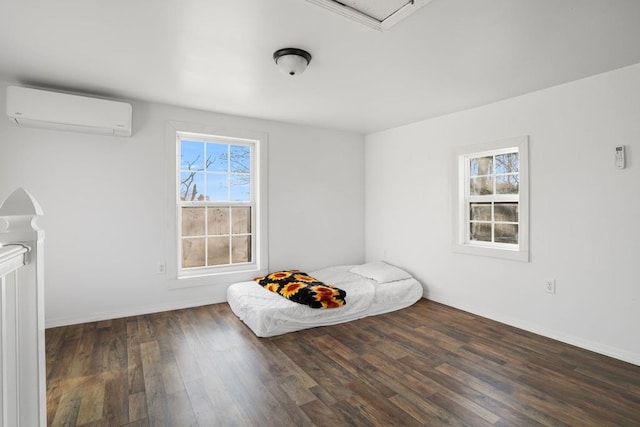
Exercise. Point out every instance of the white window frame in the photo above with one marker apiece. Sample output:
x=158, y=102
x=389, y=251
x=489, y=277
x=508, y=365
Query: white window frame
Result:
x=259, y=188
x=462, y=198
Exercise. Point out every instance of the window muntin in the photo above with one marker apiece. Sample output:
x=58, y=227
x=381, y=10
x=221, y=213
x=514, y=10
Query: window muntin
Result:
x=216, y=203
x=491, y=203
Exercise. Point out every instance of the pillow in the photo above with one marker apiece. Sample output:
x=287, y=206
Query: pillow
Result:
x=380, y=271
x=301, y=288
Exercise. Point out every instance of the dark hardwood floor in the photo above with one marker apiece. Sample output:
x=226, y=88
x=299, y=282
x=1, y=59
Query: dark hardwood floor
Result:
x=426, y=365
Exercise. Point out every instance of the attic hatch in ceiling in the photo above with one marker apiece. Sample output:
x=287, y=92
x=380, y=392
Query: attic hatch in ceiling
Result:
x=378, y=14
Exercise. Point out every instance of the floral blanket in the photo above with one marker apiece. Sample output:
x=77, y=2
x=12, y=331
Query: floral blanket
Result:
x=303, y=289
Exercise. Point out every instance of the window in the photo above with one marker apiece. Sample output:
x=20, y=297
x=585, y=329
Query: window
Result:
x=492, y=199
x=218, y=204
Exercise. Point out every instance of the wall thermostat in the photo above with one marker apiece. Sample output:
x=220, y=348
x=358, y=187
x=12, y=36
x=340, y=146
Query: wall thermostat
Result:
x=620, y=157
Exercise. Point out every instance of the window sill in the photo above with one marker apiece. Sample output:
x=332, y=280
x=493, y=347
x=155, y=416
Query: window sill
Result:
x=508, y=254
x=204, y=278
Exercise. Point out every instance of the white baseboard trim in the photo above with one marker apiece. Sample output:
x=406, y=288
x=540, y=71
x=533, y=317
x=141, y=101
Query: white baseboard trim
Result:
x=117, y=314
x=616, y=353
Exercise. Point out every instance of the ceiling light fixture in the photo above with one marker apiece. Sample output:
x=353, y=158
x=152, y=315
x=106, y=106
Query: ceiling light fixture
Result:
x=292, y=61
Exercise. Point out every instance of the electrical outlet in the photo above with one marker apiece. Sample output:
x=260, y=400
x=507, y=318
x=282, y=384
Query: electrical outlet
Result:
x=162, y=268
x=550, y=286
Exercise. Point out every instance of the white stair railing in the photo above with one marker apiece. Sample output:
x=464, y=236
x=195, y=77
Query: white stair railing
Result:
x=22, y=350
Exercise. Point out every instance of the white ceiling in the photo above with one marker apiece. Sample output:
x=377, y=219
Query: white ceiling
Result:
x=217, y=55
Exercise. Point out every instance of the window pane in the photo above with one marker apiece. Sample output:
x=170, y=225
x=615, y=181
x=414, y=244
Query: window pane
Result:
x=191, y=186
x=218, y=221
x=217, y=157
x=507, y=184
x=241, y=220
x=193, y=221
x=481, y=186
x=240, y=161
x=506, y=212
x=481, y=166
x=480, y=211
x=507, y=163
x=192, y=253
x=240, y=188
x=240, y=249
x=507, y=233
x=218, y=250
x=191, y=156
x=217, y=187
x=480, y=231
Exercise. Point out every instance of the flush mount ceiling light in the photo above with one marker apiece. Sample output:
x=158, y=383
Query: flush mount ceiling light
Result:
x=378, y=14
x=292, y=61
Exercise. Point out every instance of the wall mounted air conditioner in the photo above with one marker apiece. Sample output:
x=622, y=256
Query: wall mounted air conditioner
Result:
x=61, y=111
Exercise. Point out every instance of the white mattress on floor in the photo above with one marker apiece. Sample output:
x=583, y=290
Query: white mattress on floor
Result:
x=269, y=314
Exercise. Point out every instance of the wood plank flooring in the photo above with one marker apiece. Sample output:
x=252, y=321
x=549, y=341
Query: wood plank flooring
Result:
x=426, y=365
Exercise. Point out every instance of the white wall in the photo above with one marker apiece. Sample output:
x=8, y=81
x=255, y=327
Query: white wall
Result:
x=106, y=222
x=585, y=213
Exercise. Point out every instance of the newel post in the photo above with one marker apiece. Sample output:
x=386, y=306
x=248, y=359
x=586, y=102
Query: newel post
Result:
x=18, y=214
